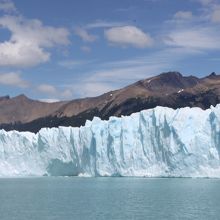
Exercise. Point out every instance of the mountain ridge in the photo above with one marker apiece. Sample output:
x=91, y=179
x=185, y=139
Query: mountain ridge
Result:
x=170, y=89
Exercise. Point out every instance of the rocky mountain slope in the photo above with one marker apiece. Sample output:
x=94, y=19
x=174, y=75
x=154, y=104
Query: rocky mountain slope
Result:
x=167, y=89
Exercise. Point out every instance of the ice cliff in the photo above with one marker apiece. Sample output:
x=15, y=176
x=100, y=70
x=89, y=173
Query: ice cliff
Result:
x=156, y=142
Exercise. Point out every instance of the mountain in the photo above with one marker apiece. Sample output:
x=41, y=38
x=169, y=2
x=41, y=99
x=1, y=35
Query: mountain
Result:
x=155, y=142
x=23, y=109
x=169, y=89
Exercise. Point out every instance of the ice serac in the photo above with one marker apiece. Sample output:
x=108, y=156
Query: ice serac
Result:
x=156, y=142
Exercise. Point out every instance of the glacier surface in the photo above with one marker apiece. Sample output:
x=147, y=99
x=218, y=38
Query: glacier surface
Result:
x=152, y=143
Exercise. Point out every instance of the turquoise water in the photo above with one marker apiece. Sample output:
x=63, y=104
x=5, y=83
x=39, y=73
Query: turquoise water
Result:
x=109, y=198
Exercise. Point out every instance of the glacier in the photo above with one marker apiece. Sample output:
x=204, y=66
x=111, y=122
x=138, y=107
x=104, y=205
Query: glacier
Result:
x=159, y=142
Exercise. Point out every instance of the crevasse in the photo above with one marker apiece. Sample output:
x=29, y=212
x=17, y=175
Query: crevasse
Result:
x=153, y=143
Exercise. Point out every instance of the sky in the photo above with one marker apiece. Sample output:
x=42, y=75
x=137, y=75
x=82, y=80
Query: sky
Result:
x=59, y=50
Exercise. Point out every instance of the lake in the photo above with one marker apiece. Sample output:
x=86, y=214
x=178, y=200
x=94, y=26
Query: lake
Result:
x=61, y=198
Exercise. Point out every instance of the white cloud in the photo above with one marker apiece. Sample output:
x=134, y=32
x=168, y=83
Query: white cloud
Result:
x=215, y=17
x=13, y=79
x=29, y=41
x=49, y=100
x=114, y=75
x=128, y=35
x=84, y=35
x=205, y=2
x=7, y=6
x=66, y=94
x=183, y=15
x=72, y=64
x=91, y=89
x=21, y=54
x=46, y=88
x=194, y=38
x=211, y=10
x=104, y=24
x=199, y=31
x=53, y=92
x=85, y=49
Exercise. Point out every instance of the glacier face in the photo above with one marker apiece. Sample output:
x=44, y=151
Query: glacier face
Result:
x=156, y=142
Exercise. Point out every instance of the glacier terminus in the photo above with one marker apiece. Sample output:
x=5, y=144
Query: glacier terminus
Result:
x=159, y=142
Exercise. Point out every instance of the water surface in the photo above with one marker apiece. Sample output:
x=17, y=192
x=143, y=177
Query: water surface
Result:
x=63, y=198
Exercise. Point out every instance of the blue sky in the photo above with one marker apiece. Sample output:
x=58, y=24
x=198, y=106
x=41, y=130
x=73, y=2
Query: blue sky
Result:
x=55, y=50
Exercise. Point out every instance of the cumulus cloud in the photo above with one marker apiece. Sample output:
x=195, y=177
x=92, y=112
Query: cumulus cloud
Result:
x=29, y=41
x=7, y=6
x=128, y=36
x=183, y=15
x=84, y=35
x=13, y=79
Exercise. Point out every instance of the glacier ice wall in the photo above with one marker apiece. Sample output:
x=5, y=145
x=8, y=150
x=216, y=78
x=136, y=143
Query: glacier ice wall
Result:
x=156, y=142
